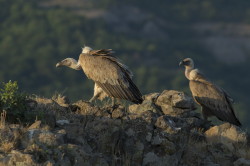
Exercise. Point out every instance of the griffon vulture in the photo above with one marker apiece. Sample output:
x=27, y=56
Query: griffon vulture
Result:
x=213, y=100
x=111, y=77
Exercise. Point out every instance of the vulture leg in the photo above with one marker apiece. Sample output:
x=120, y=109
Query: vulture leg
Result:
x=95, y=96
x=92, y=99
x=115, y=102
x=205, y=113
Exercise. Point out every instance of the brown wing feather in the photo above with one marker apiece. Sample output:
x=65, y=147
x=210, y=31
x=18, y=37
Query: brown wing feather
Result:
x=213, y=99
x=110, y=75
x=129, y=93
x=102, y=52
x=108, y=54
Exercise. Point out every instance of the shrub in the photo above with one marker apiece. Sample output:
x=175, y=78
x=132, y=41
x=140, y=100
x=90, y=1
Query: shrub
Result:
x=12, y=100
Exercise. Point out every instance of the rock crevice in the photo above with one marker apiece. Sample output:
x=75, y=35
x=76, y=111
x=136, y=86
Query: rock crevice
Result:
x=164, y=130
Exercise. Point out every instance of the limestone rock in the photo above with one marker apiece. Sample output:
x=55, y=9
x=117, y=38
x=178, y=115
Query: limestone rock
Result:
x=118, y=112
x=141, y=108
x=150, y=158
x=151, y=97
x=84, y=108
x=242, y=162
x=175, y=99
x=39, y=136
x=167, y=123
x=227, y=134
x=62, y=122
x=156, y=140
x=169, y=147
x=18, y=158
x=163, y=130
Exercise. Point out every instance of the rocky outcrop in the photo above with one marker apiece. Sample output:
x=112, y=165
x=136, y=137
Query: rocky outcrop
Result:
x=164, y=130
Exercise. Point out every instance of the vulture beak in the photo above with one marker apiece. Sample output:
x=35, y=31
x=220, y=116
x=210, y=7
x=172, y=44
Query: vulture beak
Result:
x=58, y=64
x=181, y=63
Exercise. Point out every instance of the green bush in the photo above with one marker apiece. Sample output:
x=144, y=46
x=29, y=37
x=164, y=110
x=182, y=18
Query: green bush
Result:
x=12, y=100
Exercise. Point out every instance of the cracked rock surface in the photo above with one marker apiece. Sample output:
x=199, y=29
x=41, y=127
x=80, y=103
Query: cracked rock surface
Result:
x=164, y=130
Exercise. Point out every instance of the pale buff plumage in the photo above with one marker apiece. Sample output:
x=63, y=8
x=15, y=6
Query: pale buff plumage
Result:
x=213, y=99
x=98, y=94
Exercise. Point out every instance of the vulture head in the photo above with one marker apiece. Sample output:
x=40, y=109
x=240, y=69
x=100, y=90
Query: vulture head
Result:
x=69, y=62
x=187, y=63
x=86, y=49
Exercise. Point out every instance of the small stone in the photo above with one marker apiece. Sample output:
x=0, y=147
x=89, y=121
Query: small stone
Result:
x=118, y=113
x=64, y=162
x=226, y=134
x=150, y=157
x=130, y=132
x=139, y=146
x=49, y=163
x=84, y=108
x=141, y=108
x=168, y=146
x=149, y=137
x=50, y=139
x=31, y=133
x=162, y=123
x=173, y=111
x=18, y=158
x=242, y=162
x=62, y=122
x=151, y=96
x=175, y=99
x=156, y=140
x=103, y=113
x=62, y=131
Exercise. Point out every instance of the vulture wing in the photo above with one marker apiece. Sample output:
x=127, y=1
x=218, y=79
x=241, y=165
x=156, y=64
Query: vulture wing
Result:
x=213, y=99
x=112, y=76
x=108, y=53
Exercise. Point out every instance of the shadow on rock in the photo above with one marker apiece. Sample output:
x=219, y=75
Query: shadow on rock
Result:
x=164, y=130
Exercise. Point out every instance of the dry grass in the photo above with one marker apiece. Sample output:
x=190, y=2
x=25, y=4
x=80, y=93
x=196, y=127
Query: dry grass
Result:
x=9, y=138
x=7, y=146
x=3, y=119
x=42, y=100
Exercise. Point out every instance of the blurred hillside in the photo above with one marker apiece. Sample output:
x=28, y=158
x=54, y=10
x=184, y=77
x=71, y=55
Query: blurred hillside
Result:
x=151, y=38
